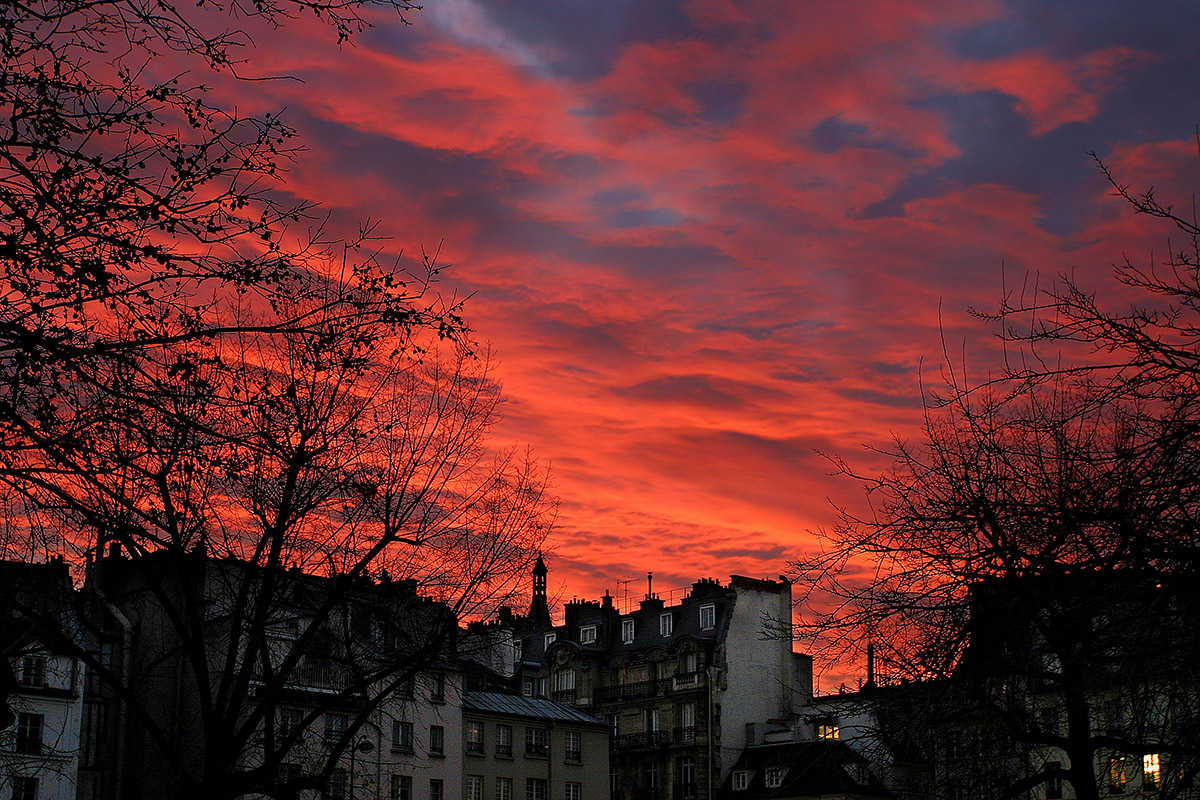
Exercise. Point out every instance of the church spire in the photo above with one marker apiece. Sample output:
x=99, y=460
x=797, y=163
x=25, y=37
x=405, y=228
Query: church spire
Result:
x=539, y=609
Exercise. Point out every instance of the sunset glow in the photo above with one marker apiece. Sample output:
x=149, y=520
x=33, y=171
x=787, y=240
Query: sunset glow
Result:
x=711, y=241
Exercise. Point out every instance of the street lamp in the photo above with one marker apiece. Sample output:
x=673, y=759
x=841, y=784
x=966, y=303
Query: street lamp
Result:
x=363, y=745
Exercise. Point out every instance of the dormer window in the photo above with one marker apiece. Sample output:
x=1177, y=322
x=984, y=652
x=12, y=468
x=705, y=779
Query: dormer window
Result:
x=708, y=617
x=666, y=624
x=741, y=779
x=550, y=637
x=773, y=777
x=587, y=634
x=627, y=631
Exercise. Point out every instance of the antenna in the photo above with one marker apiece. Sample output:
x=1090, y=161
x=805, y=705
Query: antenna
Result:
x=624, y=587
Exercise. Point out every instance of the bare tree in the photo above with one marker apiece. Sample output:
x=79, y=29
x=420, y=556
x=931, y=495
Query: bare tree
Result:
x=1033, y=551
x=269, y=447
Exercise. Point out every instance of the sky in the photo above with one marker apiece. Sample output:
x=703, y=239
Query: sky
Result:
x=713, y=242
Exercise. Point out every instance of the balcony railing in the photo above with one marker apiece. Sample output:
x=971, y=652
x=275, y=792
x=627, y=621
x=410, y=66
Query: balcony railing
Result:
x=635, y=741
x=564, y=696
x=633, y=691
x=686, y=735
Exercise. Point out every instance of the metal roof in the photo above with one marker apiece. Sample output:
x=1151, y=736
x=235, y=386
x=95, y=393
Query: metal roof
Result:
x=517, y=705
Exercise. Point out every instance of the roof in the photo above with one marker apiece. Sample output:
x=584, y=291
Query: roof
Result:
x=807, y=769
x=520, y=706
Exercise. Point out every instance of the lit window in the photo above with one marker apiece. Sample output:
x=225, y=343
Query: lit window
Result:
x=550, y=637
x=828, y=729
x=504, y=789
x=437, y=740
x=474, y=787
x=1116, y=774
x=402, y=787
x=504, y=740
x=574, y=746
x=402, y=735
x=474, y=737
x=587, y=634
x=627, y=631
x=666, y=624
x=573, y=791
x=741, y=779
x=708, y=617
x=535, y=789
x=773, y=777
x=1151, y=772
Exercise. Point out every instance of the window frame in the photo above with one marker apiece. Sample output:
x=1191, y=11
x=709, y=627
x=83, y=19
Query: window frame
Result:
x=474, y=737
x=587, y=634
x=740, y=780
x=666, y=623
x=573, y=749
x=628, y=631
x=402, y=736
x=708, y=610
x=31, y=734
x=437, y=740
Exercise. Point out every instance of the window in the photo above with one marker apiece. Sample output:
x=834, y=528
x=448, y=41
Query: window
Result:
x=1054, y=783
x=475, y=737
x=666, y=624
x=773, y=777
x=474, y=788
x=614, y=722
x=1151, y=772
x=627, y=631
x=564, y=680
x=33, y=672
x=335, y=785
x=29, y=733
x=650, y=720
x=708, y=617
x=504, y=789
x=527, y=687
x=685, y=768
x=437, y=693
x=289, y=720
x=1116, y=774
x=535, y=742
x=573, y=791
x=406, y=690
x=504, y=740
x=550, y=637
x=741, y=779
x=25, y=788
x=437, y=789
x=687, y=663
x=587, y=634
x=535, y=789
x=650, y=776
x=685, y=715
x=402, y=735
x=828, y=729
x=437, y=740
x=335, y=727
x=541, y=686
x=614, y=781
x=402, y=787
x=574, y=746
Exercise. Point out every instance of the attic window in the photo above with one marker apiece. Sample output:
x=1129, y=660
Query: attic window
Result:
x=741, y=779
x=708, y=617
x=773, y=777
x=587, y=634
x=828, y=728
x=627, y=631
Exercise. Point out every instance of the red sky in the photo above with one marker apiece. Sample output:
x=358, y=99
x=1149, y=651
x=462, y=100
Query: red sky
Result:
x=710, y=239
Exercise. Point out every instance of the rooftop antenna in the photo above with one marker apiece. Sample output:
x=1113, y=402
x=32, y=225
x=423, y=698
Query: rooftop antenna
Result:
x=624, y=593
x=649, y=585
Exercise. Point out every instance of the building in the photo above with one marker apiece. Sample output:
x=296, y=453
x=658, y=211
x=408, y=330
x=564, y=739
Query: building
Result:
x=678, y=684
x=533, y=748
x=43, y=710
x=824, y=768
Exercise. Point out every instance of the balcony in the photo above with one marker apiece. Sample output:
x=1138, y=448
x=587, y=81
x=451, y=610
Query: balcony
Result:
x=685, y=735
x=567, y=696
x=633, y=691
x=638, y=741
x=688, y=680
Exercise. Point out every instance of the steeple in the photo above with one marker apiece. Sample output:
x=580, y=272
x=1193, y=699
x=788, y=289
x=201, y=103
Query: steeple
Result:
x=539, y=609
